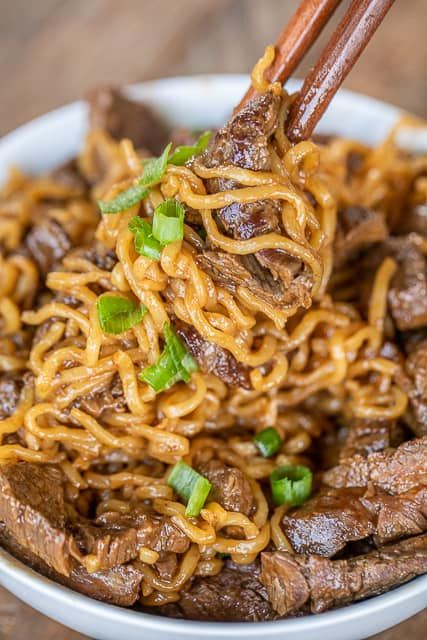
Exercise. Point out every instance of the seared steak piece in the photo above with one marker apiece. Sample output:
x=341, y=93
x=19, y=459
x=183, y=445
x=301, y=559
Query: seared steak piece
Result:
x=101, y=256
x=394, y=470
x=280, y=279
x=212, y=358
x=235, y=595
x=414, y=382
x=357, y=229
x=367, y=436
x=294, y=581
x=107, y=397
x=230, y=486
x=327, y=522
x=122, y=118
x=48, y=243
x=32, y=506
x=120, y=585
x=10, y=391
x=408, y=292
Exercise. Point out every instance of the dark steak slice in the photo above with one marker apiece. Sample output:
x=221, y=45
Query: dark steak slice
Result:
x=212, y=358
x=107, y=397
x=230, y=486
x=48, y=243
x=273, y=276
x=120, y=585
x=10, y=391
x=367, y=436
x=294, y=581
x=393, y=470
x=327, y=522
x=32, y=506
x=122, y=118
x=414, y=383
x=357, y=229
x=408, y=292
x=235, y=595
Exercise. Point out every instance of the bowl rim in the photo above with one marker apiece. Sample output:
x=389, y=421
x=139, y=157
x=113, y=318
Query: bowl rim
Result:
x=29, y=579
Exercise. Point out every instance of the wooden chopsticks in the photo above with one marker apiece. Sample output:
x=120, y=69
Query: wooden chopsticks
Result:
x=343, y=49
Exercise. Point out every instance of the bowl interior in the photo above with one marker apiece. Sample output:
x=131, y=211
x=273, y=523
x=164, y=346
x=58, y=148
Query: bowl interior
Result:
x=196, y=102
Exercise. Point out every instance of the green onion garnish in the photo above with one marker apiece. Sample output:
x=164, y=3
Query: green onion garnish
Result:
x=184, y=153
x=145, y=243
x=174, y=364
x=168, y=221
x=116, y=314
x=190, y=486
x=291, y=484
x=154, y=169
x=268, y=441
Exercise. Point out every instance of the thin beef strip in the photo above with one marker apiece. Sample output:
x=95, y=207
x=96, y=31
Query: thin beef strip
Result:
x=234, y=595
x=295, y=581
x=243, y=142
x=413, y=380
x=367, y=436
x=357, y=229
x=212, y=358
x=120, y=585
x=47, y=243
x=230, y=486
x=32, y=506
x=10, y=391
x=122, y=118
x=393, y=470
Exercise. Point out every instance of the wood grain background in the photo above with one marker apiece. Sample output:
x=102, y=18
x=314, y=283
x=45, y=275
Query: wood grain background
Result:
x=53, y=51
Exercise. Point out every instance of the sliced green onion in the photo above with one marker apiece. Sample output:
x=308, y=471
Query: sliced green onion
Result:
x=168, y=221
x=190, y=486
x=184, y=153
x=145, y=243
x=154, y=169
x=125, y=200
x=291, y=484
x=116, y=314
x=175, y=364
x=268, y=441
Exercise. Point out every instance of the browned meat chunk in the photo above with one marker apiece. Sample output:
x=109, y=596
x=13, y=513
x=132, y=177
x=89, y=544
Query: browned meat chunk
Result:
x=357, y=229
x=120, y=585
x=10, y=391
x=327, y=522
x=295, y=581
x=230, y=486
x=408, y=292
x=414, y=383
x=212, y=358
x=68, y=175
x=235, y=595
x=48, y=243
x=108, y=397
x=394, y=470
x=368, y=436
x=32, y=506
x=272, y=275
x=123, y=118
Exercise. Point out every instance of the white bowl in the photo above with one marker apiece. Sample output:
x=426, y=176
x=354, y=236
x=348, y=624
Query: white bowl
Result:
x=198, y=101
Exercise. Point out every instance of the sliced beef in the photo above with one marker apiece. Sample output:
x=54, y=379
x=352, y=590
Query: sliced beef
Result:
x=295, y=581
x=122, y=118
x=120, y=585
x=48, y=243
x=107, y=397
x=32, y=507
x=367, y=436
x=408, y=291
x=393, y=470
x=212, y=358
x=326, y=523
x=414, y=383
x=68, y=175
x=357, y=229
x=234, y=595
x=101, y=256
x=273, y=276
x=230, y=486
x=10, y=391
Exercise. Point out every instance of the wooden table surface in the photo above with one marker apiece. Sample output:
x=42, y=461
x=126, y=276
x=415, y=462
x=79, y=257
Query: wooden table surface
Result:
x=53, y=51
